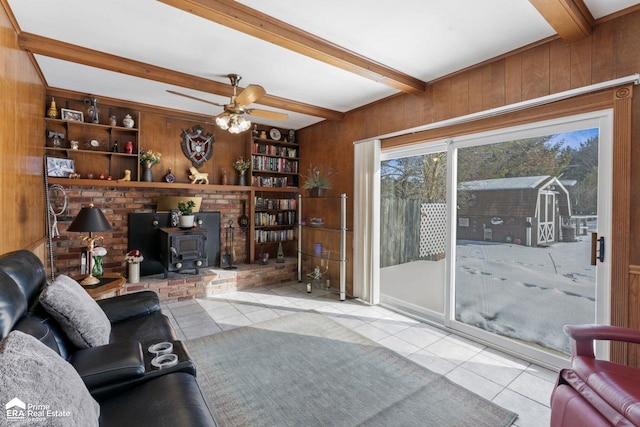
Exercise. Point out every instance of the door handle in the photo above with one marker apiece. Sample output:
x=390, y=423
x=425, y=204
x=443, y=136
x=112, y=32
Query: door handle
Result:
x=597, y=248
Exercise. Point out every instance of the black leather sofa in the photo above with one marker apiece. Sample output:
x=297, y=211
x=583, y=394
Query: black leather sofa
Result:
x=118, y=375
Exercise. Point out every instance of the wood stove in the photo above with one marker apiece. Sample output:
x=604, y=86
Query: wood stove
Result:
x=183, y=249
x=144, y=235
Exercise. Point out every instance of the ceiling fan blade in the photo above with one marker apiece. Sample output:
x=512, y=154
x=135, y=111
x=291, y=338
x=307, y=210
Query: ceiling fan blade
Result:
x=267, y=114
x=195, y=98
x=250, y=94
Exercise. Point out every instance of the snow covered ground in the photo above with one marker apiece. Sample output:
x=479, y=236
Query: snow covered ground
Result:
x=526, y=293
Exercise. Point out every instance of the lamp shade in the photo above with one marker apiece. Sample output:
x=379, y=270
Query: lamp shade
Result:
x=90, y=219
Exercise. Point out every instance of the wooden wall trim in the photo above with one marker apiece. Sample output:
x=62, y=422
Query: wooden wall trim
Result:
x=633, y=350
x=576, y=105
x=621, y=217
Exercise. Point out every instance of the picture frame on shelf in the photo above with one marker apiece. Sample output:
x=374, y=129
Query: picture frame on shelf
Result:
x=60, y=167
x=71, y=115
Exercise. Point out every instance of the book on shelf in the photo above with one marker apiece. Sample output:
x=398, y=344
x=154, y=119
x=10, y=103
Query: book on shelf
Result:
x=274, y=150
x=274, y=164
x=270, y=181
x=266, y=236
x=275, y=204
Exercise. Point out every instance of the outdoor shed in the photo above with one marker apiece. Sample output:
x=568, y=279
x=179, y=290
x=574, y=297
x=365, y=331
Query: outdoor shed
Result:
x=527, y=210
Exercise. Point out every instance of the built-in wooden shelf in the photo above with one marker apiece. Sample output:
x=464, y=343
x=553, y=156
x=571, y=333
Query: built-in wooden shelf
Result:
x=144, y=184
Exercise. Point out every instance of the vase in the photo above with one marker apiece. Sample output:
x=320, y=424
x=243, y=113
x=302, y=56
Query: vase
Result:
x=316, y=192
x=147, y=173
x=243, y=178
x=134, y=272
x=52, y=112
x=128, y=121
x=97, y=267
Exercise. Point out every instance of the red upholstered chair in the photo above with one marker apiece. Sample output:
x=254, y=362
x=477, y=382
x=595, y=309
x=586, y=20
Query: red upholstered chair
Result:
x=596, y=392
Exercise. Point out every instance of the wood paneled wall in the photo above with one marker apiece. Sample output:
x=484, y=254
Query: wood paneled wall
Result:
x=612, y=51
x=22, y=211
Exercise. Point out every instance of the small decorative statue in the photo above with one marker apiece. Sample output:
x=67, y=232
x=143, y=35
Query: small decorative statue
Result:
x=198, y=177
x=126, y=177
x=92, y=110
x=52, y=112
x=128, y=147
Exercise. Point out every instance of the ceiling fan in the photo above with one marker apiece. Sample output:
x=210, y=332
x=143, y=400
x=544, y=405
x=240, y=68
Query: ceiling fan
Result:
x=232, y=118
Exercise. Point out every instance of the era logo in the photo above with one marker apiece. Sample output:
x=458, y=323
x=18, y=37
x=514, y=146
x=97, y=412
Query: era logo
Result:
x=15, y=409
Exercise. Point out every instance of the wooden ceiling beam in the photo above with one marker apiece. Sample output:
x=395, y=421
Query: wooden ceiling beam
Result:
x=571, y=19
x=239, y=17
x=93, y=58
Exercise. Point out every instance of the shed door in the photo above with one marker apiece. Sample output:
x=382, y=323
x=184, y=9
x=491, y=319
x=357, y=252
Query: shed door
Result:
x=546, y=217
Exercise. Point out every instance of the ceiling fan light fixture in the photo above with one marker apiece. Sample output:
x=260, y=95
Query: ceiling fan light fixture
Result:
x=223, y=122
x=234, y=123
x=232, y=118
x=244, y=124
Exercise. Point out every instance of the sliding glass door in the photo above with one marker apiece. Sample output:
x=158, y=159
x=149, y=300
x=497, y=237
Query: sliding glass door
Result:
x=413, y=230
x=512, y=263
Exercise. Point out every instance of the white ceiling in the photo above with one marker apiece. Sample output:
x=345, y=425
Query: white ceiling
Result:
x=424, y=39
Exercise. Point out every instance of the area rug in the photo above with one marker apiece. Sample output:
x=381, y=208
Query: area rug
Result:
x=305, y=369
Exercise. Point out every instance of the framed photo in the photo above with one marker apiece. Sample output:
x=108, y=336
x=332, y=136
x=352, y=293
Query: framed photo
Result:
x=73, y=115
x=59, y=167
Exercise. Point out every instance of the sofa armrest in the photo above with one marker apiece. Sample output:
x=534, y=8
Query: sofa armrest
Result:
x=583, y=336
x=128, y=306
x=109, y=364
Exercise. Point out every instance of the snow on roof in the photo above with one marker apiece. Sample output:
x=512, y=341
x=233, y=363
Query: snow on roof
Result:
x=517, y=183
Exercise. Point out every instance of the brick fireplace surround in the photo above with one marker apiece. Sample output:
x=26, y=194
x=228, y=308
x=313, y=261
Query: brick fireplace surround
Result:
x=118, y=201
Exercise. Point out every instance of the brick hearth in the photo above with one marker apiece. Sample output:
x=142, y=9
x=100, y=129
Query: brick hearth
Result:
x=215, y=281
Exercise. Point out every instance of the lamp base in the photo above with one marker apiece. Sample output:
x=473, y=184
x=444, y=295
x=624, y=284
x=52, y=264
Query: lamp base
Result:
x=90, y=280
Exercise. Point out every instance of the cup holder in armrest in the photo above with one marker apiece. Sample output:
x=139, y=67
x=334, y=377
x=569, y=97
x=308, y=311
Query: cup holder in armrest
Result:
x=165, y=357
x=160, y=348
x=165, y=360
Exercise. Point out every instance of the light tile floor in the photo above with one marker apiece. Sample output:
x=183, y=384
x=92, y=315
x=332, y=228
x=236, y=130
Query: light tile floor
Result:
x=510, y=382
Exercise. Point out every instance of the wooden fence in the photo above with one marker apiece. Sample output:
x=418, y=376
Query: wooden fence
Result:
x=403, y=232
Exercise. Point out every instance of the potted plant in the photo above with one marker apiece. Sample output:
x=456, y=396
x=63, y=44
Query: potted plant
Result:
x=186, y=209
x=241, y=165
x=134, y=258
x=148, y=159
x=316, y=181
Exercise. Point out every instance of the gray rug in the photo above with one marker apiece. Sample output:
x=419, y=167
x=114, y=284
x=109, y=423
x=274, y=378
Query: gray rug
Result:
x=305, y=369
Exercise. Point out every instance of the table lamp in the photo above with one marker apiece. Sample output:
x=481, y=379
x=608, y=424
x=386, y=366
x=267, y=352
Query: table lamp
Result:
x=90, y=220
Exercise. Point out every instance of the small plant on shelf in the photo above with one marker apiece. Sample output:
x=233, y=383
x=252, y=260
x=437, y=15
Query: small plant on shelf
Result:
x=241, y=164
x=186, y=207
x=317, y=180
x=150, y=157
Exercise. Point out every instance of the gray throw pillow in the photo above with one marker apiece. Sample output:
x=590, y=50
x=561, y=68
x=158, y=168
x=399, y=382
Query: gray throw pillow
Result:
x=80, y=317
x=39, y=387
